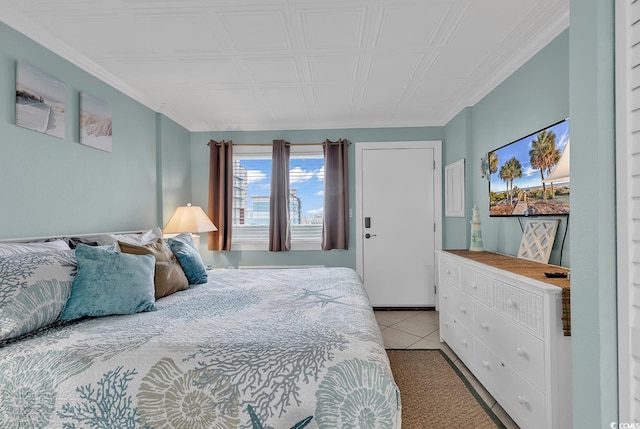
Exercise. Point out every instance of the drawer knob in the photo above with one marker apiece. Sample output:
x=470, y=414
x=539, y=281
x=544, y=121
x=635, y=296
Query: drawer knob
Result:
x=474, y=285
x=522, y=400
x=485, y=363
x=448, y=272
x=512, y=304
x=484, y=325
x=446, y=324
x=463, y=342
x=445, y=296
x=521, y=352
x=463, y=310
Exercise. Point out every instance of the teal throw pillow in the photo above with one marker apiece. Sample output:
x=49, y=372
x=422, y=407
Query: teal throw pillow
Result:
x=110, y=282
x=189, y=257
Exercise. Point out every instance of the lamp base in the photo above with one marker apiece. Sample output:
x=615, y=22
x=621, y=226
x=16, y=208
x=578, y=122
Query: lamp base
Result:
x=196, y=240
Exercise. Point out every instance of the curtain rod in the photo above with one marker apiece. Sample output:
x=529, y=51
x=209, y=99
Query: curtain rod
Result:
x=288, y=144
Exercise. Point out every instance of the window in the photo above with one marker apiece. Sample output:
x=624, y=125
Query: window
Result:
x=251, y=195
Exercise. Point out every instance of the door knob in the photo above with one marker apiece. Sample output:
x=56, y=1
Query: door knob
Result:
x=367, y=235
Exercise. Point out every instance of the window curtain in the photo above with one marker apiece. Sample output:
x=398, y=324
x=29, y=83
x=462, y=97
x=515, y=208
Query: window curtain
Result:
x=335, y=227
x=220, y=194
x=279, y=229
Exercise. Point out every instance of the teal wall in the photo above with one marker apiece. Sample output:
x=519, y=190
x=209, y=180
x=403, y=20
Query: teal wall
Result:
x=54, y=186
x=458, y=144
x=174, y=166
x=347, y=258
x=534, y=96
x=593, y=239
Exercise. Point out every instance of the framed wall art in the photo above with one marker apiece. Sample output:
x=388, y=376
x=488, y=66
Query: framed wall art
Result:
x=40, y=101
x=95, y=122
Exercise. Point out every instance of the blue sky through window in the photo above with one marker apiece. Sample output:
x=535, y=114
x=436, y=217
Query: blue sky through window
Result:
x=306, y=176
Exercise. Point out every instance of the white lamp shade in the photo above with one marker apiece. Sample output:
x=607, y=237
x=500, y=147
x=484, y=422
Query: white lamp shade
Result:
x=189, y=219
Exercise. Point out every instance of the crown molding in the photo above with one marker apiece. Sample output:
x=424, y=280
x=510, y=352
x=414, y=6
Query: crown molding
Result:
x=28, y=28
x=528, y=51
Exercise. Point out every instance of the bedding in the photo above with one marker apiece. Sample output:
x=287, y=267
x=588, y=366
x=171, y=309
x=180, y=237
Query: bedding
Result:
x=109, y=282
x=103, y=239
x=287, y=348
x=189, y=257
x=169, y=277
x=34, y=288
x=8, y=249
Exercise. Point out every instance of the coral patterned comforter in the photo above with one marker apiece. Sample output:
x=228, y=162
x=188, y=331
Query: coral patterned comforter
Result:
x=281, y=349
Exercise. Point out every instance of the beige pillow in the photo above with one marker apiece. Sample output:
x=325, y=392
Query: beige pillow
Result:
x=169, y=277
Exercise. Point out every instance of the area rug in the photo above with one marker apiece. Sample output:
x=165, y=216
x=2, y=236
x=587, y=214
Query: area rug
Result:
x=435, y=394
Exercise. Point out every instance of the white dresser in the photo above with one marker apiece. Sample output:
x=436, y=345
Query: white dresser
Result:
x=503, y=318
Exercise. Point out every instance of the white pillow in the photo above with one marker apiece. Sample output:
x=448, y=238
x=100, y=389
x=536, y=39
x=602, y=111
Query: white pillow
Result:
x=7, y=249
x=140, y=239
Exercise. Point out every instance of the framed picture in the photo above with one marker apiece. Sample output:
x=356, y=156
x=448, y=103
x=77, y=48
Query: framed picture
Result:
x=454, y=189
x=40, y=101
x=95, y=122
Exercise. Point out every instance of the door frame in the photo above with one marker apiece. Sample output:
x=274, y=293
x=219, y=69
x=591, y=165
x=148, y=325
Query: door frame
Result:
x=436, y=145
x=626, y=245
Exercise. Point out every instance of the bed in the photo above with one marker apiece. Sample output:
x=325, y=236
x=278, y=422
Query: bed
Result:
x=281, y=348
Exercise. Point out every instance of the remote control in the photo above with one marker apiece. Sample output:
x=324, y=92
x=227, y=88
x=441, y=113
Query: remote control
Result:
x=556, y=275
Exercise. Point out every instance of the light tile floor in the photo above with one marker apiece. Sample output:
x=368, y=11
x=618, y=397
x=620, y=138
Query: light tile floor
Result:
x=418, y=329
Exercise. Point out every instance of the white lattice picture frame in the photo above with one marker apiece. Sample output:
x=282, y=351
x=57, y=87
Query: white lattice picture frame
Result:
x=537, y=240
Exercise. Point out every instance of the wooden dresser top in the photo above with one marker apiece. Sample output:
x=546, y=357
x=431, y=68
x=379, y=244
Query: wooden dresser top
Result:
x=523, y=267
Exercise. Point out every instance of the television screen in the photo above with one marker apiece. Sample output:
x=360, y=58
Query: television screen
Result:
x=530, y=176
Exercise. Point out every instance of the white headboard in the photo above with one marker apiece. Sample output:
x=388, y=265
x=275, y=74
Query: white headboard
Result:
x=63, y=236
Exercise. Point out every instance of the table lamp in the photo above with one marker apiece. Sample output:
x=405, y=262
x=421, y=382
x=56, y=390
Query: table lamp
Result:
x=191, y=219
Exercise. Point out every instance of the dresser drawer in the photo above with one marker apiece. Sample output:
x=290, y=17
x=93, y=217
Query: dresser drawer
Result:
x=522, y=350
x=444, y=296
x=518, y=397
x=519, y=305
x=449, y=270
x=477, y=284
x=457, y=337
x=460, y=305
x=446, y=327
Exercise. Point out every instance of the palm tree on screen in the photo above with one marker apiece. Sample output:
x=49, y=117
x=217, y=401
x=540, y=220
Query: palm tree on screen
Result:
x=493, y=162
x=544, y=156
x=510, y=170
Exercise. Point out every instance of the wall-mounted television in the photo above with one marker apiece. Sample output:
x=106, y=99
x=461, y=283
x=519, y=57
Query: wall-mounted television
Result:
x=530, y=176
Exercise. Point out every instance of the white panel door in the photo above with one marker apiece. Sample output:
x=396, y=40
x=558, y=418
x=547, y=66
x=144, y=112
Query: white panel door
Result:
x=398, y=222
